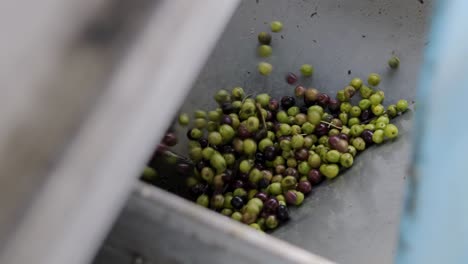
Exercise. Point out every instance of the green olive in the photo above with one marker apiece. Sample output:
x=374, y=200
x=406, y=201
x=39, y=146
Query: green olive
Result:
x=355, y=111
x=391, y=131
x=377, y=109
x=289, y=183
x=218, y=162
x=238, y=93
x=366, y=92
x=343, y=117
x=275, y=188
x=239, y=192
x=291, y=162
x=297, y=141
x=356, y=130
x=236, y=216
x=252, y=124
x=378, y=136
x=307, y=128
x=303, y=168
x=264, y=51
x=353, y=121
x=208, y=152
x=149, y=173
x=345, y=107
x=250, y=146
x=265, y=68
x=370, y=127
x=352, y=150
x=359, y=143
x=314, y=161
x=375, y=99
x=222, y=96
x=364, y=104
x=230, y=158
x=184, y=119
x=316, y=108
x=203, y=200
x=215, y=138
x=340, y=95
x=196, y=154
x=282, y=117
x=346, y=160
x=245, y=166
x=333, y=156
x=293, y=111
x=330, y=170
x=392, y=110
x=356, y=83
x=314, y=117
x=402, y=105
x=394, y=62
x=276, y=26
x=307, y=70
x=226, y=212
x=212, y=126
x=373, y=79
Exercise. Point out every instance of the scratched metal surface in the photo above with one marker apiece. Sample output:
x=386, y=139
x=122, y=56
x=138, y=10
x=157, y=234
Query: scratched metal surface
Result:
x=353, y=219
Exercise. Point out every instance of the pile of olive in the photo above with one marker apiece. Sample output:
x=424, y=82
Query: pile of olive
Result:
x=254, y=156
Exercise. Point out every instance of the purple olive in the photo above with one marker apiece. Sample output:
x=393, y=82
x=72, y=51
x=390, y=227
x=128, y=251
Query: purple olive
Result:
x=287, y=102
x=243, y=132
x=304, y=187
x=321, y=130
x=226, y=119
x=367, y=136
x=271, y=205
x=291, y=78
x=366, y=115
x=291, y=197
x=237, y=184
x=342, y=146
x=269, y=116
x=333, y=105
x=262, y=196
x=301, y=154
x=315, y=177
x=323, y=99
x=343, y=136
x=273, y=105
x=170, y=139
x=333, y=140
x=203, y=142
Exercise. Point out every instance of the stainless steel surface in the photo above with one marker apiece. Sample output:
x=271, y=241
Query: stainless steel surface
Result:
x=354, y=218
x=83, y=83
x=157, y=227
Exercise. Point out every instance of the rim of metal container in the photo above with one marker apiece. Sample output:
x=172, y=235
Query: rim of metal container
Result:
x=178, y=211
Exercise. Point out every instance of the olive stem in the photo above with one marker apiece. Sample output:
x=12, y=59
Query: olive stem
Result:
x=173, y=154
x=247, y=96
x=259, y=110
x=330, y=124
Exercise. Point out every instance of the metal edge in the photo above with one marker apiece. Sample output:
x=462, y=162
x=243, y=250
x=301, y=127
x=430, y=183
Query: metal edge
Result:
x=261, y=242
